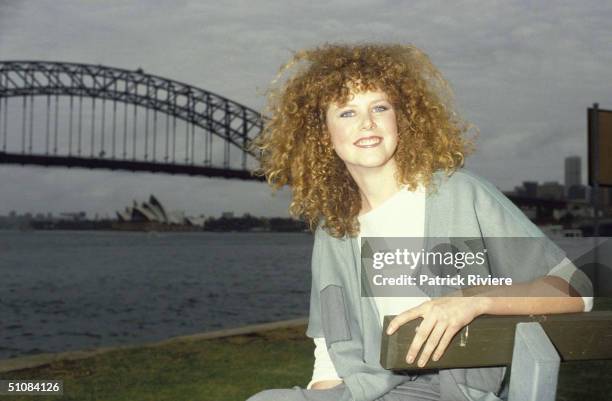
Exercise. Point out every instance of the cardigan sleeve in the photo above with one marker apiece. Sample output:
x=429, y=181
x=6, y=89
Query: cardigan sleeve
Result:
x=314, y=329
x=577, y=279
x=517, y=248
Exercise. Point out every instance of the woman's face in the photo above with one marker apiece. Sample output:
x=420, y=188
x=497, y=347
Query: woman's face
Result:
x=364, y=131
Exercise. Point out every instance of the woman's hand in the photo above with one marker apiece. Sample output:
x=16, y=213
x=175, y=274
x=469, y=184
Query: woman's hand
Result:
x=442, y=319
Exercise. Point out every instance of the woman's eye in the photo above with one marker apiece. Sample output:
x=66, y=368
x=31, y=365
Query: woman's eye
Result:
x=381, y=108
x=348, y=113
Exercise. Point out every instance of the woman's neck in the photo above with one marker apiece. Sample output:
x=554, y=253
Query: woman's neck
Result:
x=375, y=186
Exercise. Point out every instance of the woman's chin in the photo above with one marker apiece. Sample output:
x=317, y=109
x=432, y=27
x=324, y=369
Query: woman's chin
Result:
x=370, y=165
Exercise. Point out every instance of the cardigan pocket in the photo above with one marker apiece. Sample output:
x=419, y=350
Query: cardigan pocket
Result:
x=334, y=315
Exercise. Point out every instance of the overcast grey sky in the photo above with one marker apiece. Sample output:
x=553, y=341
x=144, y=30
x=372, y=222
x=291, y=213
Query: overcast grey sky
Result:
x=523, y=72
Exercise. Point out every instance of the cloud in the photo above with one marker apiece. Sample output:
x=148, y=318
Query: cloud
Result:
x=523, y=72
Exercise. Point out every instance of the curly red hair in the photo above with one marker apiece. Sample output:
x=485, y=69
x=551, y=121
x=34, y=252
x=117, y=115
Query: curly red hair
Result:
x=295, y=147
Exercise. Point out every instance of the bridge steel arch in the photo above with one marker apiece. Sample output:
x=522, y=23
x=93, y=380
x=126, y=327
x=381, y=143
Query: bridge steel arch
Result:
x=235, y=123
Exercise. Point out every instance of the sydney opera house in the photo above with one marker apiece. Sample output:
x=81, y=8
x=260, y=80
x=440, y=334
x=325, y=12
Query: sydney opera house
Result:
x=152, y=215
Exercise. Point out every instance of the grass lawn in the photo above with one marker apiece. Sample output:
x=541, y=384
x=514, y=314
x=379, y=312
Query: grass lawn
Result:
x=224, y=369
x=233, y=368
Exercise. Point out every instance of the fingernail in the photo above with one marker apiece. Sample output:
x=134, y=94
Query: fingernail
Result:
x=421, y=364
x=410, y=359
x=435, y=358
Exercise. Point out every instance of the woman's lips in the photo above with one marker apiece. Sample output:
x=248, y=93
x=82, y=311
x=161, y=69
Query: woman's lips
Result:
x=368, y=142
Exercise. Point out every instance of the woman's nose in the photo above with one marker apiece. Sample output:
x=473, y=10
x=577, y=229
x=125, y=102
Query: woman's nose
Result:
x=368, y=123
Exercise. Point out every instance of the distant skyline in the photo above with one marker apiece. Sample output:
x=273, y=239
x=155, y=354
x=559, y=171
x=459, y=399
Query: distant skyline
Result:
x=112, y=214
x=523, y=72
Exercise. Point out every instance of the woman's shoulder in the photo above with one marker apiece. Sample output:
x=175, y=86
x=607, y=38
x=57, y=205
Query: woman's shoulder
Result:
x=463, y=181
x=321, y=233
x=468, y=192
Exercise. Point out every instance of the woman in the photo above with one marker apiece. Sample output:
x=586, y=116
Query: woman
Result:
x=367, y=139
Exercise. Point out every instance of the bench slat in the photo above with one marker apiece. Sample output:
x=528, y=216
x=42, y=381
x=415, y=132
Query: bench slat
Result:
x=490, y=340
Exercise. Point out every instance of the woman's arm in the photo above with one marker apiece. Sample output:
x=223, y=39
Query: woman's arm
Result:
x=548, y=294
x=325, y=384
x=444, y=317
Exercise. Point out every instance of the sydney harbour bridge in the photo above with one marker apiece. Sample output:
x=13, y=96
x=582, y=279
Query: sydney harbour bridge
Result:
x=99, y=117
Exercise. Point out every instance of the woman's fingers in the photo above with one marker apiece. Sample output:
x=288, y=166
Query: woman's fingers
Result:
x=420, y=337
x=432, y=343
x=442, y=319
x=446, y=339
x=402, y=318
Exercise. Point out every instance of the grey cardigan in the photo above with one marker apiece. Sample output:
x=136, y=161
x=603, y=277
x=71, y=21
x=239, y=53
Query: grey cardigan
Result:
x=462, y=205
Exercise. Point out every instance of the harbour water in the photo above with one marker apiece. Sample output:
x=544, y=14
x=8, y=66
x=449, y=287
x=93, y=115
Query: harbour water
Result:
x=69, y=290
x=72, y=290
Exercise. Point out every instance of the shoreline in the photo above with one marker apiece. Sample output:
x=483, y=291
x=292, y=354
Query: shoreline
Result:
x=33, y=361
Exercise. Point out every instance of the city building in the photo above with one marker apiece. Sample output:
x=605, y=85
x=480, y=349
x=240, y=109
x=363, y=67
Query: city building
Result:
x=529, y=189
x=551, y=190
x=573, y=174
x=574, y=190
x=577, y=193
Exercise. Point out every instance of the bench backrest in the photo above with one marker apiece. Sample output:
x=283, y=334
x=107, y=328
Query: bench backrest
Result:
x=489, y=340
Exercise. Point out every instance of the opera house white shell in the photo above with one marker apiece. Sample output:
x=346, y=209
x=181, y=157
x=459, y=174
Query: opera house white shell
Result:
x=153, y=211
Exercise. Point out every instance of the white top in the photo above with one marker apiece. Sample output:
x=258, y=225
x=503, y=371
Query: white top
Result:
x=401, y=215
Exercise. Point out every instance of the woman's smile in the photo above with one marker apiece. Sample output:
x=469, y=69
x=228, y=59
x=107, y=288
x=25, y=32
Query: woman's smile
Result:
x=368, y=142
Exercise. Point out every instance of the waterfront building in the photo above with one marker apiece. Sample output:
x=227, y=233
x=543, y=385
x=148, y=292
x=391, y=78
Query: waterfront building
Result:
x=153, y=214
x=572, y=171
x=551, y=190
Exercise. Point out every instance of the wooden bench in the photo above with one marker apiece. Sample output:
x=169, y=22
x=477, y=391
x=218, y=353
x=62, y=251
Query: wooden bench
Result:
x=534, y=347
